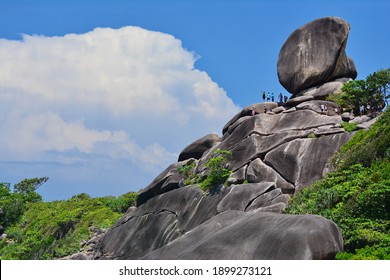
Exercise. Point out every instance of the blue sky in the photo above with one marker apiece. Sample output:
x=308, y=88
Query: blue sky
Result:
x=100, y=96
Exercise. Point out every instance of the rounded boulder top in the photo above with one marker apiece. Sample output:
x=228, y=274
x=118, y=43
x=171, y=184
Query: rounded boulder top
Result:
x=315, y=54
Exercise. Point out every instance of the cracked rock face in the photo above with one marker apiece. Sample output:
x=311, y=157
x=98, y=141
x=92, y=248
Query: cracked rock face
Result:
x=303, y=161
x=272, y=157
x=270, y=236
x=197, y=148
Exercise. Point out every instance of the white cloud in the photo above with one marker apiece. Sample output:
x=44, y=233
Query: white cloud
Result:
x=122, y=95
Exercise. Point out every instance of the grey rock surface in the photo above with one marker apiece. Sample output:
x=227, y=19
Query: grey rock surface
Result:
x=258, y=171
x=272, y=158
x=324, y=90
x=241, y=196
x=298, y=99
x=167, y=180
x=315, y=54
x=315, y=105
x=279, y=109
x=273, y=155
x=247, y=112
x=346, y=117
x=303, y=161
x=197, y=148
x=267, y=236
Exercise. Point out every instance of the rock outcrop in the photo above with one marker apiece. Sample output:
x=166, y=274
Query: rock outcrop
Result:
x=273, y=156
x=275, y=152
x=197, y=148
x=257, y=235
x=314, y=55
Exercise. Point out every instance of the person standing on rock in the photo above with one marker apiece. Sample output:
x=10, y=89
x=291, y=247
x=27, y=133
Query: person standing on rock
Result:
x=368, y=108
x=362, y=110
x=280, y=97
x=263, y=96
x=253, y=111
x=322, y=106
x=268, y=96
x=273, y=99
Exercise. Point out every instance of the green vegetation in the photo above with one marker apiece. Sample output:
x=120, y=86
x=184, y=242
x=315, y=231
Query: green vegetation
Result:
x=35, y=229
x=187, y=171
x=217, y=175
x=356, y=195
x=311, y=135
x=46, y=230
x=374, y=90
x=367, y=146
x=13, y=204
x=348, y=126
x=218, y=172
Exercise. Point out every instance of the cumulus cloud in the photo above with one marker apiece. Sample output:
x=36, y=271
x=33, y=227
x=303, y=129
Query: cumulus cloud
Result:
x=127, y=97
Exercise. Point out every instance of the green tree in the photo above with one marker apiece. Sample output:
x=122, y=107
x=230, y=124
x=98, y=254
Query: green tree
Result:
x=378, y=86
x=218, y=171
x=354, y=95
x=13, y=204
x=28, y=187
x=339, y=99
x=4, y=190
x=374, y=90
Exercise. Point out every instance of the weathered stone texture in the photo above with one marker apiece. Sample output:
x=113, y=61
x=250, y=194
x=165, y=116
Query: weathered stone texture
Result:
x=314, y=54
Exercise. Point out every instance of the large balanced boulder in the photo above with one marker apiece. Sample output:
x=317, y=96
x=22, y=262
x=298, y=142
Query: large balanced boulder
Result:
x=315, y=54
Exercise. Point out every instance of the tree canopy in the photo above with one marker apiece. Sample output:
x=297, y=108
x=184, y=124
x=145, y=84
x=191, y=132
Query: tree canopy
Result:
x=373, y=91
x=13, y=204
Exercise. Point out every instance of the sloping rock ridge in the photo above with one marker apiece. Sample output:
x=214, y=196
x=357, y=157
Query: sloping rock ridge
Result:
x=274, y=154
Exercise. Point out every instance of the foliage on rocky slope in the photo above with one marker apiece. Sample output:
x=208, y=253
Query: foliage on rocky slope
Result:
x=48, y=230
x=356, y=195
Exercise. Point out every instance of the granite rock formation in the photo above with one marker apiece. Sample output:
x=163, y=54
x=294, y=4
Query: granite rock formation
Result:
x=314, y=55
x=275, y=153
x=197, y=148
x=253, y=236
x=273, y=156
